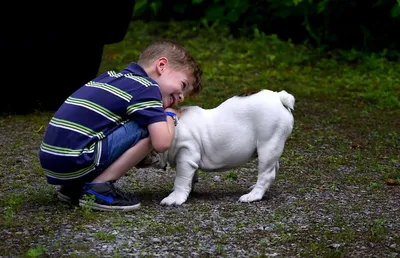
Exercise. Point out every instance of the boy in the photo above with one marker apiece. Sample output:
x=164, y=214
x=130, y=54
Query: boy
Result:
x=111, y=123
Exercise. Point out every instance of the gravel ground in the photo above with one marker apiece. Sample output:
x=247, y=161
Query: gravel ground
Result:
x=330, y=199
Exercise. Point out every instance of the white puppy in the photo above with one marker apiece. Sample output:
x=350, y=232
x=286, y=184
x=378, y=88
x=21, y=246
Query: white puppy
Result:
x=226, y=137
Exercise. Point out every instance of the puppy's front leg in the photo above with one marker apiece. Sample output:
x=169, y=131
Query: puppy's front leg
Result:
x=185, y=172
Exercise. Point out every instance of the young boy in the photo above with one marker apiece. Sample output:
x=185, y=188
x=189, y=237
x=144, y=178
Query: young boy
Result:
x=111, y=123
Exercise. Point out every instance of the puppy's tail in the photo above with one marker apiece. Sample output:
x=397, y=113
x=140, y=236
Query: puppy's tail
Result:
x=287, y=100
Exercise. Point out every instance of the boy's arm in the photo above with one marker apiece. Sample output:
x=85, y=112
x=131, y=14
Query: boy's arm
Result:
x=162, y=133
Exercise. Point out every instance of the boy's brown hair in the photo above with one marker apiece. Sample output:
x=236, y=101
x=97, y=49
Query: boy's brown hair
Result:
x=178, y=57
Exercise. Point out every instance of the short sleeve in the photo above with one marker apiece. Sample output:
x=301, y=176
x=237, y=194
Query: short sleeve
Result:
x=146, y=106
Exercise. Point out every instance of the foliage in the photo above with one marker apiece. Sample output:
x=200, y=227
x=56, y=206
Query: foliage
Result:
x=325, y=23
x=234, y=65
x=36, y=252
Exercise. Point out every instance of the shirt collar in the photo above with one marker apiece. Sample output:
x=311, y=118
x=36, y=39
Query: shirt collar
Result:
x=136, y=69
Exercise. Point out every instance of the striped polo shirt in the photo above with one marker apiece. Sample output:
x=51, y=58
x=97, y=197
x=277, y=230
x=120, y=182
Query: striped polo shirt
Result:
x=72, y=145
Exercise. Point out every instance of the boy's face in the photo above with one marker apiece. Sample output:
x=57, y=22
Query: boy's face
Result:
x=174, y=85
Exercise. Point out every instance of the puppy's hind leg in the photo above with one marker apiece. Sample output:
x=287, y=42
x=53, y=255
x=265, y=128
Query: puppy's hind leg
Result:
x=276, y=172
x=268, y=165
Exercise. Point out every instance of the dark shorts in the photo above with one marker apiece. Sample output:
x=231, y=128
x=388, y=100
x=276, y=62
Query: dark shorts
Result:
x=118, y=142
x=122, y=139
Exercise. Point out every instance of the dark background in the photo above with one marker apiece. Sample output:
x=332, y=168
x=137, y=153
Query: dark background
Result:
x=48, y=51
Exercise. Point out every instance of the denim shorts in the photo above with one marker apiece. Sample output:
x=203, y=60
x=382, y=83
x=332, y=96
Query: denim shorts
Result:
x=122, y=139
x=118, y=142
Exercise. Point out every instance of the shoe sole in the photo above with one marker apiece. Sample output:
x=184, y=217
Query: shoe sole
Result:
x=63, y=197
x=101, y=207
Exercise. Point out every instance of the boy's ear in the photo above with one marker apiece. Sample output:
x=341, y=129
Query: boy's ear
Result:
x=162, y=63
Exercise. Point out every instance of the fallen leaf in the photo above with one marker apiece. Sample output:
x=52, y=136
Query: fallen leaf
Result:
x=392, y=182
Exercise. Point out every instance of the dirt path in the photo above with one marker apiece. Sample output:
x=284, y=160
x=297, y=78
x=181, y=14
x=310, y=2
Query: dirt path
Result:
x=330, y=199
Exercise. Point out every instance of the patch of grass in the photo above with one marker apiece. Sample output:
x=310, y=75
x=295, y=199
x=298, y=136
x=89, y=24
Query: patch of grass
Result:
x=272, y=63
x=9, y=217
x=12, y=206
x=15, y=201
x=101, y=235
x=37, y=251
x=87, y=210
x=205, y=175
x=375, y=185
x=377, y=230
x=395, y=175
x=230, y=176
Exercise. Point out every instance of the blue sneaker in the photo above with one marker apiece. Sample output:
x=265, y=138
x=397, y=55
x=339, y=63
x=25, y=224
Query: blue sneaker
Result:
x=106, y=197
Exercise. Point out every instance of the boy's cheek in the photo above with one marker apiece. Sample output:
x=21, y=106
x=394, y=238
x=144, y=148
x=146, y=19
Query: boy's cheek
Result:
x=164, y=103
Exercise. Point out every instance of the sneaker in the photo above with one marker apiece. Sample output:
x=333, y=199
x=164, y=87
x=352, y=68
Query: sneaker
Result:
x=108, y=198
x=68, y=193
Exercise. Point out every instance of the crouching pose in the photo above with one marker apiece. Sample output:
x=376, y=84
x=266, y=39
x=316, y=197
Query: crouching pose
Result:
x=112, y=122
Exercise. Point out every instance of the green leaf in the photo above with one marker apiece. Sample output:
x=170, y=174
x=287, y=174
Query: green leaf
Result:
x=322, y=6
x=155, y=6
x=296, y=2
x=395, y=12
x=140, y=6
x=215, y=13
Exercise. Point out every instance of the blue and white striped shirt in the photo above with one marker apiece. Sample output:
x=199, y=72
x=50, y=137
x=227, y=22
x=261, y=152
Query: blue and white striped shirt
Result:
x=72, y=146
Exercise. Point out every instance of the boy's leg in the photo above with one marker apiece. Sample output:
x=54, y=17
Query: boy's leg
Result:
x=126, y=161
x=127, y=146
x=116, y=170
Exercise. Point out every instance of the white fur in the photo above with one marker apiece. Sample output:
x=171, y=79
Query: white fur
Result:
x=226, y=137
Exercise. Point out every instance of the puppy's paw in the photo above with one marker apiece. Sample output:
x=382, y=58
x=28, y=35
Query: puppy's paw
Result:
x=174, y=199
x=250, y=197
